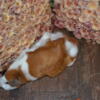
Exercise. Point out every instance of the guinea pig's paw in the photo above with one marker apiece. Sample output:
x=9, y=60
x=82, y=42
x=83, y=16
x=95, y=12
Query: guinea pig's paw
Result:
x=71, y=48
x=71, y=63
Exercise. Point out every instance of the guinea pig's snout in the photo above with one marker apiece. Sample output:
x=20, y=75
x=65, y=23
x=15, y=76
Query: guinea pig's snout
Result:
x=15, y=82
x=5, y=84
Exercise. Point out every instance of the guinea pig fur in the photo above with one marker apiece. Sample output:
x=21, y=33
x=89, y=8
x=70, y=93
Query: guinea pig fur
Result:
x=47, y=57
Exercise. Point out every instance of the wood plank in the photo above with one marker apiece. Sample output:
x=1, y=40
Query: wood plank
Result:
x=74, y=82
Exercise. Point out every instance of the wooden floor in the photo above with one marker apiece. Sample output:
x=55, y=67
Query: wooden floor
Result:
x=80, y=81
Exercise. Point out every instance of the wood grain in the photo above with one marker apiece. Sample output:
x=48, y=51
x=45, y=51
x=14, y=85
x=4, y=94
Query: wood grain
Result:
x=79, y=81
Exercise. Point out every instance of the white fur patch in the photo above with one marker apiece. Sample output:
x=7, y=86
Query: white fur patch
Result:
x=25, y=69
x=71, y=48
x=56, y=36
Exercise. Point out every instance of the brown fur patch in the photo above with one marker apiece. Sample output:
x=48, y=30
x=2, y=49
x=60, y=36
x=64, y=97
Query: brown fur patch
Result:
x=48, y=60
x=16, y=75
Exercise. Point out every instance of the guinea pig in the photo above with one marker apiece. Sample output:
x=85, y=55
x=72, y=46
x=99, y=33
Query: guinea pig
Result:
x=47, y=57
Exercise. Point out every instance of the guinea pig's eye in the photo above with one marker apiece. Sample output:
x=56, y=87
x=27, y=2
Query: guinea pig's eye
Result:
x=7, y=82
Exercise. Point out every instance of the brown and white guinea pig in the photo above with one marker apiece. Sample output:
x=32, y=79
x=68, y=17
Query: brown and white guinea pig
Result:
x=47, y=57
